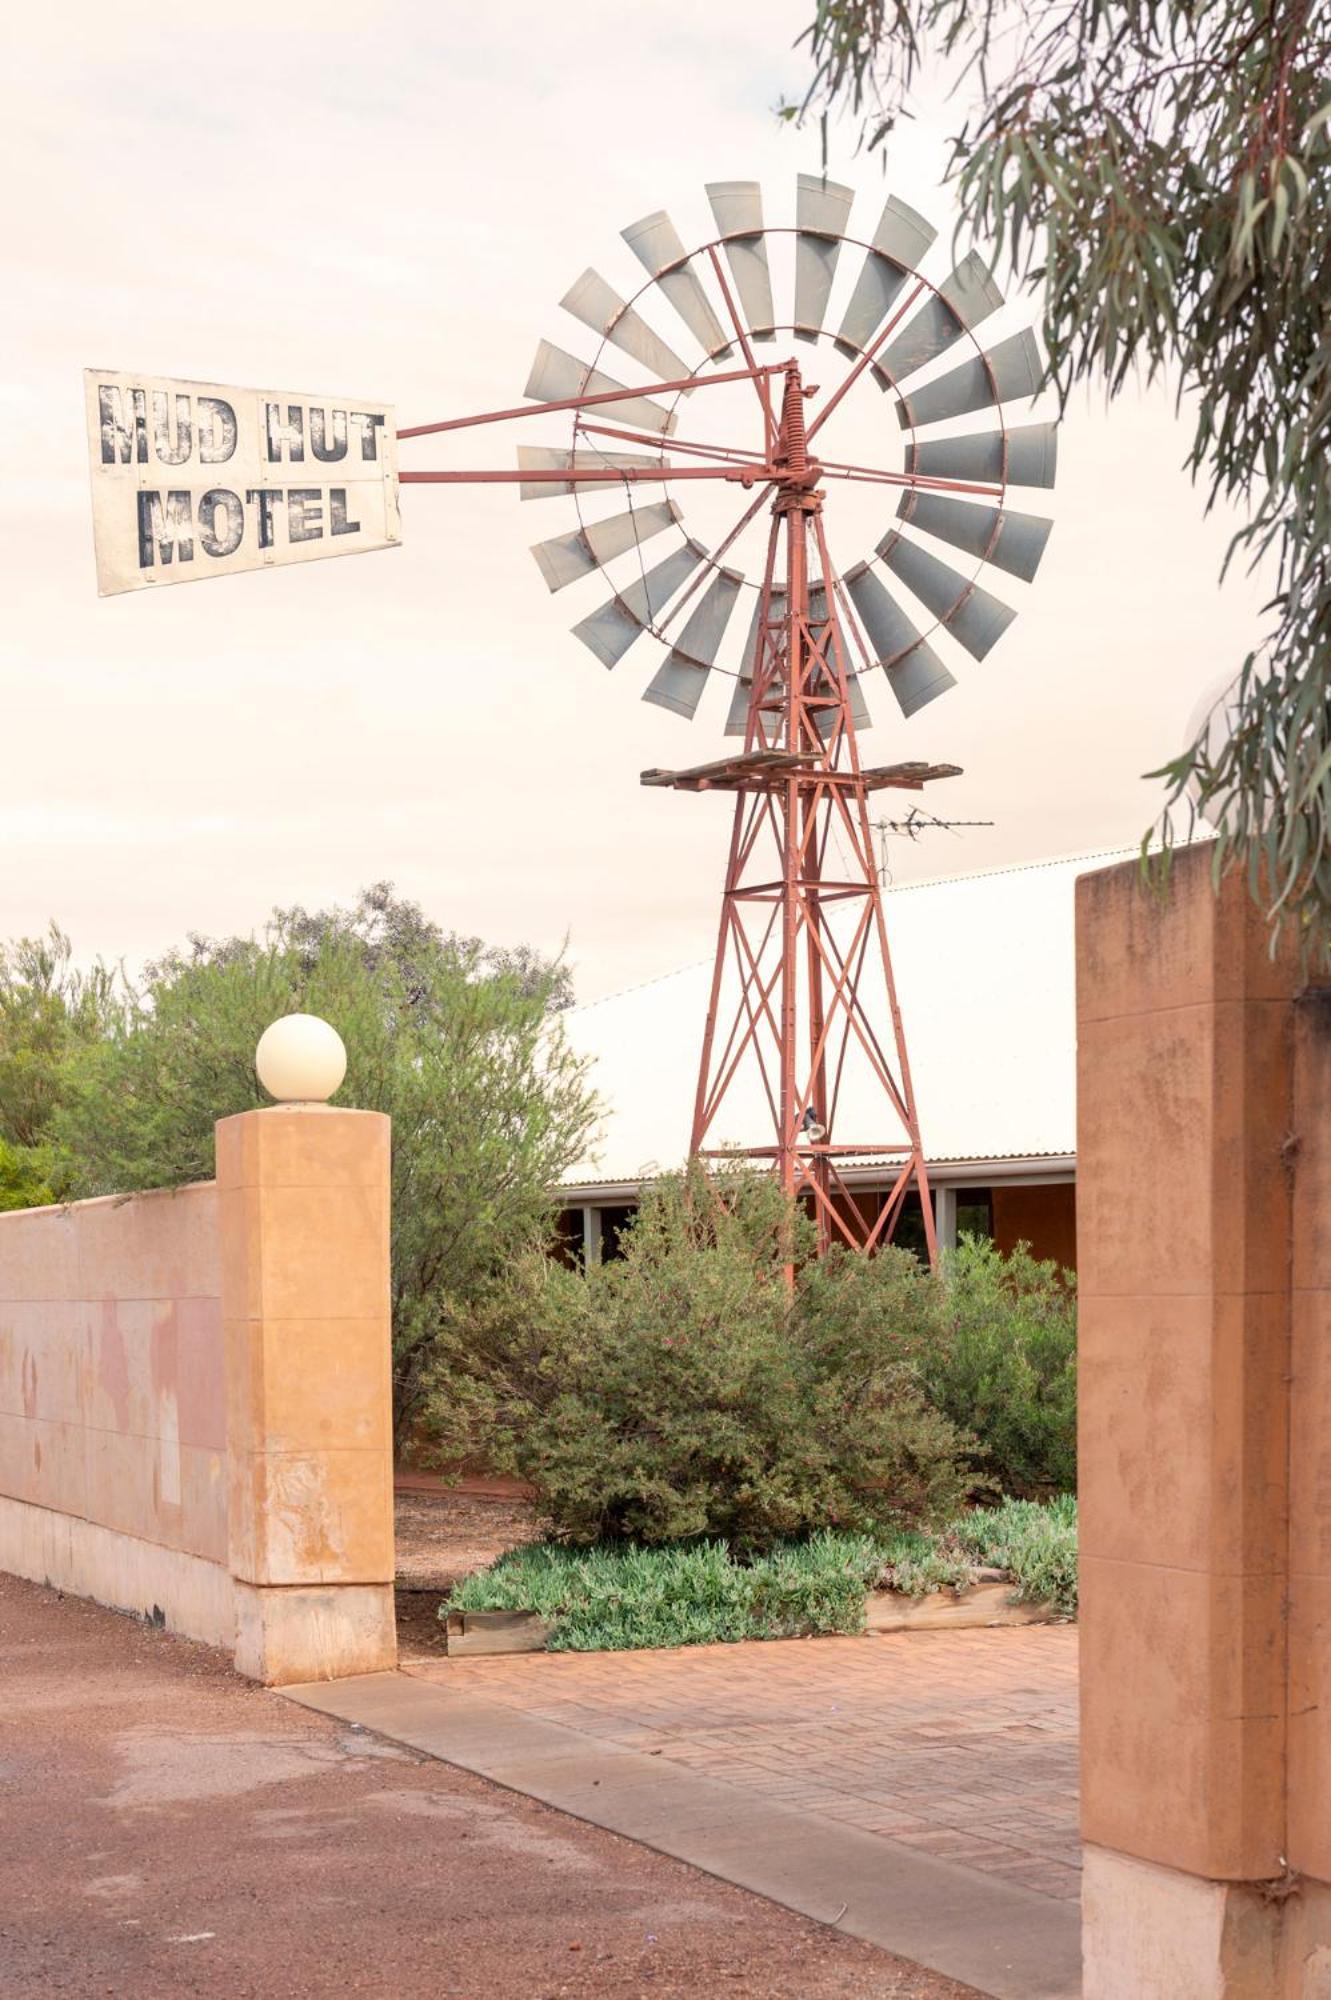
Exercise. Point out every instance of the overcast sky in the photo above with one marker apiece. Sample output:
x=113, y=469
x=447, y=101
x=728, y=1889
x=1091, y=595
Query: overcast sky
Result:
x=390, y=202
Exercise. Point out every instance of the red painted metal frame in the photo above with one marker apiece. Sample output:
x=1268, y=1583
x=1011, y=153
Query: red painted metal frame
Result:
x=795, y=994
x=796, y=1007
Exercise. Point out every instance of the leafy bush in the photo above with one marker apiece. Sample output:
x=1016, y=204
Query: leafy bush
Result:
x=684, y=1389
x=616, y=1597
x=1005, y=1367
x=25, y=1180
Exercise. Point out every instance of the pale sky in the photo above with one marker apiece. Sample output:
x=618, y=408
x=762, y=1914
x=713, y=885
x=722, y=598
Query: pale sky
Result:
x=390, y=203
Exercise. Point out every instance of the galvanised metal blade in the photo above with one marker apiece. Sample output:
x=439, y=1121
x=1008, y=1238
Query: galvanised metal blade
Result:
x=1017, y=370
x=680, y=679
x=914, y=671
x=1032, y=456
x=822, y=210
x=737, y=720
x=1011, y=541
x=545, y=458
x=738, y=209
x=611, y=630
x=599, y=306
x=566, y=558
x=899, y=244
x=966, y=296
x=557, y=376
x=975, y=619
x=655, y=243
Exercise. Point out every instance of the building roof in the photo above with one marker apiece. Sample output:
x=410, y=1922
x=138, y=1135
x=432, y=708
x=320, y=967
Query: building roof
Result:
x=984, y=968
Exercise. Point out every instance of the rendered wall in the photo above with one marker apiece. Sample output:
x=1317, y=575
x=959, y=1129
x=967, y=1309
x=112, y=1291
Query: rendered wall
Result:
x=113, y=1405
x=1204, y=1239
x=195, y=1398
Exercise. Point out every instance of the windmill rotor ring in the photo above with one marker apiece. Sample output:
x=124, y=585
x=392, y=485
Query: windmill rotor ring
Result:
x=909, y=607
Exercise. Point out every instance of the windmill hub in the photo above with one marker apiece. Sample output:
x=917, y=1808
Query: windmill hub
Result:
x=803, y=1018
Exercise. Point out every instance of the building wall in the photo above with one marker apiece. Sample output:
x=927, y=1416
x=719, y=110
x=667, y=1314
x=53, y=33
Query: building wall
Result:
x=1045, y=1217
x=195, y=1398
x=113, y=1404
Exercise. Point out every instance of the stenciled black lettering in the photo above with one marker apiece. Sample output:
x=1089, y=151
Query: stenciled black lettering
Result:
x=337, y=513
x=319, y=428
x=164, y=528
x=291, y=433
x=223, y=542
x=217, y=430
x=367, y=424
x=263, y=498
x=169, y=451
x=119, y=441
x=305, y=514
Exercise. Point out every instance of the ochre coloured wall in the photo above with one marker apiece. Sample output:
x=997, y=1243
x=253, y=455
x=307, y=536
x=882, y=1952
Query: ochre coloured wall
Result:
x=1204, y=1393
x=113, y=1401
x=1044, y=1217
x=195, y=1397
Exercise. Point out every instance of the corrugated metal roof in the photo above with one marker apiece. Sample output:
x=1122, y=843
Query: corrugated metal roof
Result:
x=985, y=976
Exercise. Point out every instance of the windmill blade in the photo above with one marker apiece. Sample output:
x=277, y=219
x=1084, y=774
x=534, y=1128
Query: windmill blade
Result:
x=822, y=210
x=1016, y=368
x=557, y=377
x=915, y=673
x=738, y=718
x=898, y=245
x=545, y=458
x=966, y=296
x=1014, y=542
x=565, y=558
x=599, y=306
x=1032, y=456
x=738, y=209
x=655, y=243
x=680, y=679
x=975, y=618
x=611, y=630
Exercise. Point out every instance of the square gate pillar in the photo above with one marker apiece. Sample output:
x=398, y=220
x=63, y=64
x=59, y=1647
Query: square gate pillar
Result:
x=1205, y=1403
x=304, y=1202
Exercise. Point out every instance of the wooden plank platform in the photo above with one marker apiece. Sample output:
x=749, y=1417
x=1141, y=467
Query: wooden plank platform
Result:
x=759, y=770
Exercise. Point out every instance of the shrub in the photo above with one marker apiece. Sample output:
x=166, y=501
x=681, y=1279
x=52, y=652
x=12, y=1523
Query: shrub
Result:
x=683, y=1389
x=1036, y=1545
x=615, y=1597
x=1005, y=1367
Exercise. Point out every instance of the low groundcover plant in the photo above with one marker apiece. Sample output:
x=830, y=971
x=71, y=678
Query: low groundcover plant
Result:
x=617, y=1596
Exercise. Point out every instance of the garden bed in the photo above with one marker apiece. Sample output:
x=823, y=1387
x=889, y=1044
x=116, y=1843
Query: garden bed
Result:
x=1013, y=1564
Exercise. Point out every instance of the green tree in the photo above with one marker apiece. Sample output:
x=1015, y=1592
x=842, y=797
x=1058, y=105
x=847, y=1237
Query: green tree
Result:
x=461, y=1046
x=50, y=1014
x=1163, y=170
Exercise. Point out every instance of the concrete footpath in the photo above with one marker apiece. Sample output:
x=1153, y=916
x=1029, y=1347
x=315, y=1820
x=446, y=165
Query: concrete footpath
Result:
x=1001, y=1938
x=171, y=1831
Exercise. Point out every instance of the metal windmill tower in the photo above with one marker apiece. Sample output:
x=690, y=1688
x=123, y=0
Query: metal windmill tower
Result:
x=802, y=998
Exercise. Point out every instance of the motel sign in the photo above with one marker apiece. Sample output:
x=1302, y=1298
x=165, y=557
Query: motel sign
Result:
x=193, y=479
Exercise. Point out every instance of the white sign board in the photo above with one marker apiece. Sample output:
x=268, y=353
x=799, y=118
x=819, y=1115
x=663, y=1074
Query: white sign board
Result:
x=193, y=479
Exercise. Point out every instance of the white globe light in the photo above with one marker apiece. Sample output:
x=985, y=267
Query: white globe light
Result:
x=300, y=1059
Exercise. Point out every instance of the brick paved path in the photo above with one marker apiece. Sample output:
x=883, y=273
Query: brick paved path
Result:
x=960, y=1744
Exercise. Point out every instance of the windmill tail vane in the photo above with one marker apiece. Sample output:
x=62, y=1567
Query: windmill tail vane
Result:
x=803, y=1066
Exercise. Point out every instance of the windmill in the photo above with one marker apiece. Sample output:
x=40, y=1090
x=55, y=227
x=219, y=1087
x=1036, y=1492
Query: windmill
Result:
x=802, y=1000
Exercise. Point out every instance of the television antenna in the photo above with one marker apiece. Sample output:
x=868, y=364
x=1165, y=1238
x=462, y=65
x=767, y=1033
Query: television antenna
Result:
x=802, y=995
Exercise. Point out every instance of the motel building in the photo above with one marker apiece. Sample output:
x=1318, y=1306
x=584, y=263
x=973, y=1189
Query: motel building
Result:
x=985, y=974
